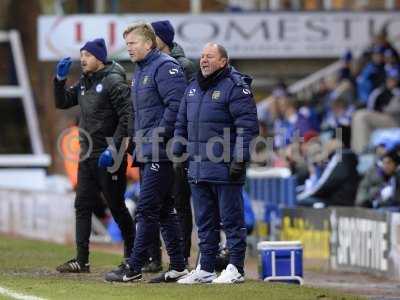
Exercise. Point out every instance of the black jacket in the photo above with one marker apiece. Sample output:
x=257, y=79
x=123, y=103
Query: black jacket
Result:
x=106, y=110
x=338, y=182
x=187, y=65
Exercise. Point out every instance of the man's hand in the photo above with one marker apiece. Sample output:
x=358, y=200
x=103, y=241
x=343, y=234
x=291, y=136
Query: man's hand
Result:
x=237, y=170
x=106, y=159
x=63, y=68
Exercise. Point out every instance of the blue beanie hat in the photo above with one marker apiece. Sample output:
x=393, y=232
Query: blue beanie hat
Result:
x=97, y=48
x=347, y=56
x=393, y=73
x=164, y=31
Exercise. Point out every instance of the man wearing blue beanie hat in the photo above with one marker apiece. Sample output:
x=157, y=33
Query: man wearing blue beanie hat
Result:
x=97, y=48
x=103, y=96
x=165, y=34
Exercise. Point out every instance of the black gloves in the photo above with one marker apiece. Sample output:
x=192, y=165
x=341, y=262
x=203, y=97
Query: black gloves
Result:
x=180, y=170
x=237, y=170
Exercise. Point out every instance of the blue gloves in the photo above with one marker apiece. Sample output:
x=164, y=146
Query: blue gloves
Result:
x=63, y=68
x=105, y=159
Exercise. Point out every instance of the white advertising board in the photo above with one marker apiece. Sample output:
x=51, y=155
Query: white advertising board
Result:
x=250, y=35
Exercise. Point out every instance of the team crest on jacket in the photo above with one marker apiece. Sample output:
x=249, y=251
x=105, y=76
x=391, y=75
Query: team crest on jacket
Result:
x=99, y=88
x=146, y=80
x=215, y=95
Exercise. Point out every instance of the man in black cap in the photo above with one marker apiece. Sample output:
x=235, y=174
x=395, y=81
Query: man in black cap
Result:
x=165, y=42
x=103, y=96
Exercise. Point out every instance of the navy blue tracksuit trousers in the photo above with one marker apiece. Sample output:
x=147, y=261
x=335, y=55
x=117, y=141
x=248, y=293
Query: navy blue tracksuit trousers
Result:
x=155, y=208
x=215, y=204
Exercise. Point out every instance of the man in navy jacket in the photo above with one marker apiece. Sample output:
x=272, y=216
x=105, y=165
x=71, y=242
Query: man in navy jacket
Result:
x=165, y=43
x=157, y=88
x=218, y=116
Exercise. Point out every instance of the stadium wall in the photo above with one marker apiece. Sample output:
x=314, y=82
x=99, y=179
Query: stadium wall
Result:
x=37, y=215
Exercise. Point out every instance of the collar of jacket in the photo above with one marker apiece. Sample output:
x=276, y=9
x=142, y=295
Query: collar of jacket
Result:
x=151, y=56
x=206, y=82
x=177, y=51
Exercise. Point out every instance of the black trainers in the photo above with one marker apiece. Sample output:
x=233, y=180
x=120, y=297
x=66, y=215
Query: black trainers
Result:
x=122, y=266
x=123, y=274
x=73, y=266
x=169, y=276
x=152, y=267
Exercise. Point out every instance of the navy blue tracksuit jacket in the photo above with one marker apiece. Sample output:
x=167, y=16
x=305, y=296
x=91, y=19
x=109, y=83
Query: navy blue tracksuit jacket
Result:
x=226, y=105
x=157, y=88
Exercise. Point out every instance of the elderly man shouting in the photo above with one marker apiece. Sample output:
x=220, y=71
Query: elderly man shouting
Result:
x=217, y=106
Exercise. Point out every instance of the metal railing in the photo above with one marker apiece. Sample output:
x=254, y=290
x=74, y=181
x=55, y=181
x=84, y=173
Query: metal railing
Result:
x=306, y=87
x=23, y=90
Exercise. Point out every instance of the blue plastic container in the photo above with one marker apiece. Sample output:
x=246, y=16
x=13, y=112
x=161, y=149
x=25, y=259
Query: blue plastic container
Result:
x=281, y=261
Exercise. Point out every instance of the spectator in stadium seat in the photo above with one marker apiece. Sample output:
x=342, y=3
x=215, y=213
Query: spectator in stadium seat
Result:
x=382, y=96
x=388, y=197
x=291, y=123
x=267, y=110
x=219, y=99
x=383, y=111
x=371, y=76
x=336, y=178
x=378, y=177
x=266, y=113
x=345, y=72
x=322, y=94
x=103, y=96
x=296, y=156
x=338, y=117
x=391, y=61
x=380, y=39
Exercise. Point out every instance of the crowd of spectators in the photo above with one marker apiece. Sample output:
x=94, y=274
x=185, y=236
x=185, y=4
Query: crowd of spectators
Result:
x=343, y=143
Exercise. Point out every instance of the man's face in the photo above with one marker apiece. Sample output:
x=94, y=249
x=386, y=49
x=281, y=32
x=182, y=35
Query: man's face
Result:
x=377, y=58
x=89, y=63
x=391, y=83
x=389, y=166
x=338, y=108
x=138, y=47
x=283, y=105
x=211, y=60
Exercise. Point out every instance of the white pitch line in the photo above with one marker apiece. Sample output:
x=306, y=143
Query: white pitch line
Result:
x=14, y=295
